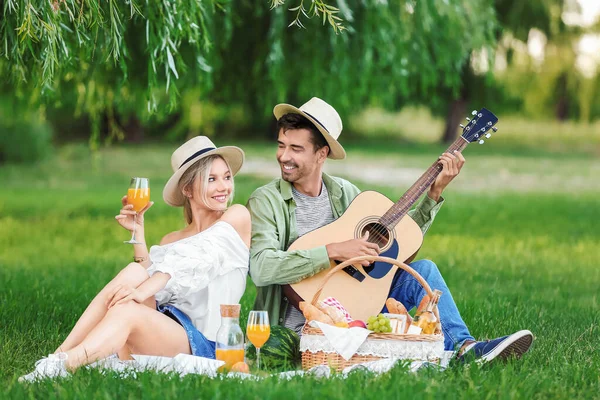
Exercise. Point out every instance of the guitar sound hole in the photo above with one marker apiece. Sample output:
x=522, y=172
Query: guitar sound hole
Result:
x=378, y=234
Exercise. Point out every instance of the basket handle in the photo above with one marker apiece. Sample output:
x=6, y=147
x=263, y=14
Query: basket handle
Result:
x=388, y=260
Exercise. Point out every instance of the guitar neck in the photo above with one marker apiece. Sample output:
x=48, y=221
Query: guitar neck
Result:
x=401, y=207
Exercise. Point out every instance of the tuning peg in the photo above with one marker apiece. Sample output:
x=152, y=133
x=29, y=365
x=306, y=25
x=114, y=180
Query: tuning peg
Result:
x=494, y=129
x=474, y=112
x=488, y=135
x=481, y=142
x=462, y=126
x=468, y=119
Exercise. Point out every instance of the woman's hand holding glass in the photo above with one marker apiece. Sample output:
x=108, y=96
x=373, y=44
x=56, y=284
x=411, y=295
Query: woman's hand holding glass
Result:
x=131, y=216
x=126, y=220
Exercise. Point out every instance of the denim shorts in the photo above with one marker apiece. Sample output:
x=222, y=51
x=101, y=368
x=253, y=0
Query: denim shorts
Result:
x=199, y=344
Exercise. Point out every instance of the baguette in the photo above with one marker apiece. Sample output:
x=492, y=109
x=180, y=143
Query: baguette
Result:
x=312, y=313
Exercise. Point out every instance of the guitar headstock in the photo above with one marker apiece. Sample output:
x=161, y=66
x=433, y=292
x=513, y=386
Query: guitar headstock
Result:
x=478, y=127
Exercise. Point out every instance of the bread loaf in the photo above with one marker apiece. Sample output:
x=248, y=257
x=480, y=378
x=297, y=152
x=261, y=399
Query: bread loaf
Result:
x=312, y=313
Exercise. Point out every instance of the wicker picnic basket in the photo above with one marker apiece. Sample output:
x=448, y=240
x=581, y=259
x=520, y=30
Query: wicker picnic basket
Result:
x=316, y=349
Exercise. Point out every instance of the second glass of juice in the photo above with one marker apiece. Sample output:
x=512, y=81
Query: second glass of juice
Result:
x=258, y=331
x=230, y=338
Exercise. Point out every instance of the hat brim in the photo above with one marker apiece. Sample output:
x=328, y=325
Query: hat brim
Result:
x=232, y=154
x=336, y=151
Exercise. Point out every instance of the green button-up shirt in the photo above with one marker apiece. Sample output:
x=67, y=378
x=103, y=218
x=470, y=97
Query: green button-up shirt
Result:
x=272, y=208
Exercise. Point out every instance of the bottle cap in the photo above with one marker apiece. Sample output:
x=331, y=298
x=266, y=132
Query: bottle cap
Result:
x=230, y=310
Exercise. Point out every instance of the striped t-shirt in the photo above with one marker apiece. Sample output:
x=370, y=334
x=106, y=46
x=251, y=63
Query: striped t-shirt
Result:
x=311, y=213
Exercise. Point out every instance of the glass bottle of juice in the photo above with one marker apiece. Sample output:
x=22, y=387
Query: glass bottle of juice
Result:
x=425, y=321
x=230, y=338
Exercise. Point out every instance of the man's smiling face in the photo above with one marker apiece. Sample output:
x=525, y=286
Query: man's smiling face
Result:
x=296, y=155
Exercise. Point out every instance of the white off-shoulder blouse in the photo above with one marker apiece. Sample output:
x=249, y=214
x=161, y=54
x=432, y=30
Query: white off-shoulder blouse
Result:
x=207, y=269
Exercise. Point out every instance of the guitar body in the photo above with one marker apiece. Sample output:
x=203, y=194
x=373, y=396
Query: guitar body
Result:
x=362, y=291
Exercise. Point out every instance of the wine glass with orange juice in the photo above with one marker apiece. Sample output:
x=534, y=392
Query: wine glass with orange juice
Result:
x=138, y=195
x=258, y=331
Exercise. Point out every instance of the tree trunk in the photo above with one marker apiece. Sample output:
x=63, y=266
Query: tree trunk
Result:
x=562, y=101
x=134, y=130
x=456, y=112
x=457, y=107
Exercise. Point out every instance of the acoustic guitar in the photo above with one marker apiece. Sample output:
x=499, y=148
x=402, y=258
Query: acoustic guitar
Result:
x=363, y=290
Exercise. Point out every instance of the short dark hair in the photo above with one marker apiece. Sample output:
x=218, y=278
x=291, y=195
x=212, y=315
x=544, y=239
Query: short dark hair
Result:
x=297, y=121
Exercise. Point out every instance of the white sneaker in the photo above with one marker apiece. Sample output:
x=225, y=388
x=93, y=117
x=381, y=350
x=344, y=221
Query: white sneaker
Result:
x=52, y=366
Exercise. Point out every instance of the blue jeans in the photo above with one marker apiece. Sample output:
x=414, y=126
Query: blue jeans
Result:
x=408, y=291
x=199, y=344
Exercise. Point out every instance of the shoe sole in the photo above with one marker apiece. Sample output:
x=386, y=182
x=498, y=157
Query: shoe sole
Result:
x=513, y=346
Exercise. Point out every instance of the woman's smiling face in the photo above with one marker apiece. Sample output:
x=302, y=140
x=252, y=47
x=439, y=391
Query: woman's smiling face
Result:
x=219, y=187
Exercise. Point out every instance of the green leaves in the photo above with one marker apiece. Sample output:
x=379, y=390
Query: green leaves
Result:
x=135, y=57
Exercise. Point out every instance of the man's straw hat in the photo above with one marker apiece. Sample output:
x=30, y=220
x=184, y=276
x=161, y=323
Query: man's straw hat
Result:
x=325, y=119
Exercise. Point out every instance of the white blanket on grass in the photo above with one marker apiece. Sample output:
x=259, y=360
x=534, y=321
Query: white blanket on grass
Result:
x=184, y=364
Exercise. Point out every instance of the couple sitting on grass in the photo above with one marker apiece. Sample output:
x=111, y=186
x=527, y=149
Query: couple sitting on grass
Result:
x=167, y=301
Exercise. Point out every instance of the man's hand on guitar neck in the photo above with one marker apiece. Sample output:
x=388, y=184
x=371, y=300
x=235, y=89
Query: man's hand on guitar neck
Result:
x=451, y=166
x=343, y=251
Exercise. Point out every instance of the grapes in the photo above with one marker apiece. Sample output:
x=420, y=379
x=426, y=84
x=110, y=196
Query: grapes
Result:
x=379, y=324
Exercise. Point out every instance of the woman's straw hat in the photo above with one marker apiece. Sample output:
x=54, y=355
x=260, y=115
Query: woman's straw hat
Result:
x=187, y=154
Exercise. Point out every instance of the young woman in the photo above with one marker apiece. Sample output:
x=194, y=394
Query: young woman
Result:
x=167, y=301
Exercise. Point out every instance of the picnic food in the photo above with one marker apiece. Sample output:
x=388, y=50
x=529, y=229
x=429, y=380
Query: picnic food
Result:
x=312, y=313
x=357, y=323
x=395, y=307
x=426, y=319
x=379, y=324
x=280, y=351
x=334, y=313
x=240, y=367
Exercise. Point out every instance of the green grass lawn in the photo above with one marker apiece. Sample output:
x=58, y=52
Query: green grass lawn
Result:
x=513, y=260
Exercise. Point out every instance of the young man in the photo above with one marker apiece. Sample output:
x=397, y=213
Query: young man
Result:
x=305, y=199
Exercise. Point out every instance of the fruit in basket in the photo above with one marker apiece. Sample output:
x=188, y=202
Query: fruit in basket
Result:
x=280, y=352
x=379, y=324
x=357, y=323
x=341, y=324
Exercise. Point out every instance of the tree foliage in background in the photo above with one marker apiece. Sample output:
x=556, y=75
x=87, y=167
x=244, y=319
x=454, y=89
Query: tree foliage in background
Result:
x=552, y=87
x=515, y=19
x=114, y=60
x=549, y=87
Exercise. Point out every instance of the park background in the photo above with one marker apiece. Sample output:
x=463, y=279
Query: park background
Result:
x=95, y=92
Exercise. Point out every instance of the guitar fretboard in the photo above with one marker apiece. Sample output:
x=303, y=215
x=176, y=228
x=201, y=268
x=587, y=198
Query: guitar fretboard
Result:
x=403, y=205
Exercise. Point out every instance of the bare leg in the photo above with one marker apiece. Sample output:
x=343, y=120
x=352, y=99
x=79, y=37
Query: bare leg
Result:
x=133, y=274
x=134, y=326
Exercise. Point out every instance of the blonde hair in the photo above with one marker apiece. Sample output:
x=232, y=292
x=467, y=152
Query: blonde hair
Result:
x=199, y=170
